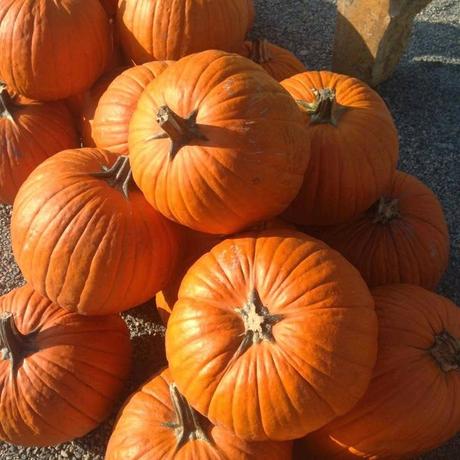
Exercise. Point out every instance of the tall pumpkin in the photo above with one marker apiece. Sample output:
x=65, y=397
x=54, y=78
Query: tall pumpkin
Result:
x=226, y=149
x=412, y=403
x=273, y=335
x=402, y=238
x=354, y=147
x=158, y=423
x=159, y=30
x=86, y=238
x=60, y=373
x=30, y=132
x=52, y=49
x=117, y=104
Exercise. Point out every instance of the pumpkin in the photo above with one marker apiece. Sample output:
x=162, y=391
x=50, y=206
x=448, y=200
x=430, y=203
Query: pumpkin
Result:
x=412, y=403
x=227, y=147
x=273, y=335
x=60, y=373
x=53, y=49
x=354, y=147
x=157, y=30
x=251, y=14
x=158, y=423
x=402, y=238
x=85, y=237
x=30, y=132
x=117, y=104
x=276, y=61
x=110, y=7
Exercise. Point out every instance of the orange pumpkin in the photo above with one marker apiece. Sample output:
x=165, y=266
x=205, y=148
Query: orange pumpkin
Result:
x=276, y=61
x=412, y=403
x=156, y=31
x=85, y=237
x=158, y=423
x=227, y=147
x=402, y=238
x=30, y=132
x=60, y=373
x=273, y=335
x=117, y=104
x=53, y=49
x=354, y=147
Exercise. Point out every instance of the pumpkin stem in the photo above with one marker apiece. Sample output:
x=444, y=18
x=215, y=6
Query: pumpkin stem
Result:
x=118, y=176
x=187, y=426
x=260, y=52
x=5, y=103
x=325, y=108
x=386, y=209
x=180, y=130
x=14, y=346
x=446, y=351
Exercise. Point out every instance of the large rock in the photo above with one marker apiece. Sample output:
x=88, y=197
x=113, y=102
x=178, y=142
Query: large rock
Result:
x=371, y=36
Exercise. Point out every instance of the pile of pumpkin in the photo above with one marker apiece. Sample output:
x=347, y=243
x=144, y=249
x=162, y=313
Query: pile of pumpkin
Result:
x=206, y=182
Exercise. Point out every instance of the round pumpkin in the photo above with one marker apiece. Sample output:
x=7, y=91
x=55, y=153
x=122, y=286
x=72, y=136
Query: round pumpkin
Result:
x=60, y=373
x=117, y=104
x=53, y=49
x=412, y=403
x=273, y=335
x=354, y=147
x=157, y=30
x=85, y=237
x=227, y=147
x=276, y=61
x=30, y=132
x=402, y=238
x=158, y=423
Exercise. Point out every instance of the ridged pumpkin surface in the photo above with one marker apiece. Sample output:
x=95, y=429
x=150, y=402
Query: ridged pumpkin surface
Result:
x=157, y=423
x=158, y=30
x=273, y=335
x=82, y=243
x=354, y=147
x=61, y=376
x=413, y=402
x=403, y=238
x=30, y=132
x=227, y=148
x=117, y=105
x=53, y=49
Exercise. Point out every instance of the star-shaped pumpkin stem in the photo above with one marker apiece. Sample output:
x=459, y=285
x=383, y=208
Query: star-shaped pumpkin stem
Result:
x=5, y=103
x=386, y=210
x=118, y=176
x=446, y=351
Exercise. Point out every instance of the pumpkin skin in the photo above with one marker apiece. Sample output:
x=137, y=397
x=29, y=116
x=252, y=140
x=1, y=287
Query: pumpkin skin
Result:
x=234, y=122
x=156, y=30
x=70, y=37
x=253, y=340
x=89, y=246
x=71, y=379
x=278, y=62
x=402, y=238
x=30, y=132
x=412, y=404
x=354, y=148
x=117, y=104
x=148, y=425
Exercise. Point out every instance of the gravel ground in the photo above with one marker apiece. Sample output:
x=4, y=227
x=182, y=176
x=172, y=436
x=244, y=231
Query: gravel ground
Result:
x=423, y=96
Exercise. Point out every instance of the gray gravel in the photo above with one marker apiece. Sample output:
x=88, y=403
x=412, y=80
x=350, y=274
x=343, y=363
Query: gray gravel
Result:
x=424, y=98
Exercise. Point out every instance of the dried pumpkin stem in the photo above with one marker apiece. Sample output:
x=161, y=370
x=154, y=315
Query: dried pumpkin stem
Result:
x=180, y=130
x=5, y=103
x=187, y=426
x=14, y=346
x=260, y=52
x=446, y=351
x=118, y=176
x=386, y=209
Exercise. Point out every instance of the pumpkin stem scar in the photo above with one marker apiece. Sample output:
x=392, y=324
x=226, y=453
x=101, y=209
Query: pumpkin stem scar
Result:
x=5, y=103
x=187, y=426
x=260, y=52
x=325, y=109
x=118, y=176
x=386, y=209
x=180, y=130
x=446, y=351
x=14, y=346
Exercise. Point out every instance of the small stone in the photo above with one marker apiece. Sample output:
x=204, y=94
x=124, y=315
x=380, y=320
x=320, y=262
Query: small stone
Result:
x=303, y=52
